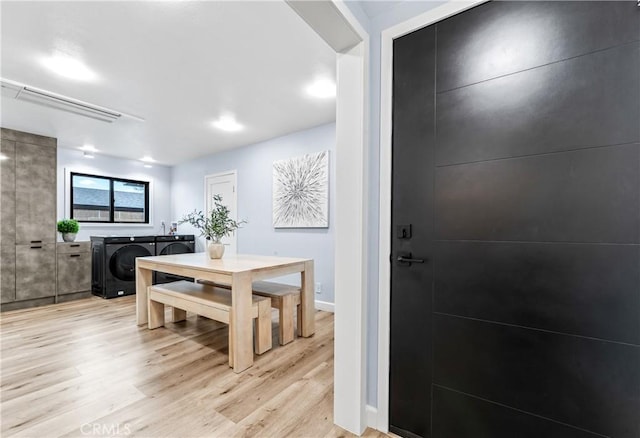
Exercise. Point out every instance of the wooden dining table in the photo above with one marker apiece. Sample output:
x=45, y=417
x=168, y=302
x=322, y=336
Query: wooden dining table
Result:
x=240, y=271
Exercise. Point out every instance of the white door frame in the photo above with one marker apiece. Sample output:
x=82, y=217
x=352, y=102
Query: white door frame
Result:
x=233, y=175
x=384, y=270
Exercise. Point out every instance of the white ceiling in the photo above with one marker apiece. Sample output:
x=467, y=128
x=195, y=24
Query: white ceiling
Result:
x=373, y=8
x=177, y=64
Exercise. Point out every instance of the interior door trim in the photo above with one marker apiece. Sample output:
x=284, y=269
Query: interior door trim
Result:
x=439, y=13
x=231, y=176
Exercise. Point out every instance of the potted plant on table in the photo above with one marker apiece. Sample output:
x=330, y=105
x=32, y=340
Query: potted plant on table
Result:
x=69, y=228
x=213, y=227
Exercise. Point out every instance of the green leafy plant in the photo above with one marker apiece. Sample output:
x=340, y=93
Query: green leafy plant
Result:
x=215, y=226
x=68, y=226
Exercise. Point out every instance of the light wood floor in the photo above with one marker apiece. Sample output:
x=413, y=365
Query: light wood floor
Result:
x=85, y=369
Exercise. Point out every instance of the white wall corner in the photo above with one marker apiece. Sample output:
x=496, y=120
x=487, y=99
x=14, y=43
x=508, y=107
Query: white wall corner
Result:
x=350, y=237
x=350, y=367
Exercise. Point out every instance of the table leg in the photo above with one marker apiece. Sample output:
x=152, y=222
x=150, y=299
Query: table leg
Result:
x=178, y=315
x=307, y=301
x=241, y=322
x=143, y=281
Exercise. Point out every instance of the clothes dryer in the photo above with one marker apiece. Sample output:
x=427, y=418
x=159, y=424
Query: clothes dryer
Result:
x=113, y=263
x=175, y=244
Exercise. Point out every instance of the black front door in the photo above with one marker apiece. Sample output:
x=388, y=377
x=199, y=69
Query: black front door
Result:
x=515, y=265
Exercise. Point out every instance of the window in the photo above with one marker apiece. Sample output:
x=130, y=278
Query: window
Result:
x=110, y=200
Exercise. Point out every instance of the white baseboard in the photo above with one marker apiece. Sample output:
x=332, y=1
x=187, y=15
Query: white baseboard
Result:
x=326, y=306
x=372, y=417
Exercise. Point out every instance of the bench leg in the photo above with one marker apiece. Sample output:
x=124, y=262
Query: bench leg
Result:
x=299, y=319
x=285, y=323
x=179, y=314
x=230, y=341
x=156, y=314
x=263, y=339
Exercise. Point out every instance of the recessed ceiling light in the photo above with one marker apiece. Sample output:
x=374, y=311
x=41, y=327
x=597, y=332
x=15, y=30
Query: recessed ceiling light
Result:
x=88, y=155
x=69, y=67
x=148, y=166
x=147, y=159
x=322, y=89
x=88, y=148
x=3, y=157
x=228, y=123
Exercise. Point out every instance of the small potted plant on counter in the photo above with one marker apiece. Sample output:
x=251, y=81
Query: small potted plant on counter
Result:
x=213, y=227
x=69, y=228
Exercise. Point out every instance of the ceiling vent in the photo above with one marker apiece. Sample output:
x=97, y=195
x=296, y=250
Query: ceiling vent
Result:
x=46, y=98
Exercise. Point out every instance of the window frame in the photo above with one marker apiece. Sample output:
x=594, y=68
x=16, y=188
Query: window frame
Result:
x=112, y=208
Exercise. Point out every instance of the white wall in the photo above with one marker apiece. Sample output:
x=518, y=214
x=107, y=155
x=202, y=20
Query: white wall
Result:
x=389, y=17
x=158, y=176
x=254, y=166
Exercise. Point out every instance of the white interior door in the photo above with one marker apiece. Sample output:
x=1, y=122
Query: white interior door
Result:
x=223, y=184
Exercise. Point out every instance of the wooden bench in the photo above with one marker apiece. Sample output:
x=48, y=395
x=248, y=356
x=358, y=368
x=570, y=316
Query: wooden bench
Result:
x=283, y=297
x=212, y=302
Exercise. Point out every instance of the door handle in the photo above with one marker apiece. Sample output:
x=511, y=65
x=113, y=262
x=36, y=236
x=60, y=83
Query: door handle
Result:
x=408, y=258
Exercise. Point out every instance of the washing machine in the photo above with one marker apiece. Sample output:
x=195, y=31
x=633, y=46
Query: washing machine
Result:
x=113, y=263
x=176, y=244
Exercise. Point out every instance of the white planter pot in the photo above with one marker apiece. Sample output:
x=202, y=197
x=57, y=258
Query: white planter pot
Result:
x=215, y=250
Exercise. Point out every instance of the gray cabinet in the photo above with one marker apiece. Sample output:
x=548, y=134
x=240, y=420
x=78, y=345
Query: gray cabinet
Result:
x=8, y=192
x=7, y=273
x=35, y=194
x=74, y=267
x=27, y=219
x=35, y=271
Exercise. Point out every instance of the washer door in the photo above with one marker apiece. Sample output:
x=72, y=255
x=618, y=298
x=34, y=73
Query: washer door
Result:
x=177, y=248
x=122, y=263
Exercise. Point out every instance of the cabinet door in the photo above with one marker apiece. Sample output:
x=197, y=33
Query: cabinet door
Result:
x=8, y=192
x=74, y=272
x=35, y=194
x=7, y=273
x=35, y=271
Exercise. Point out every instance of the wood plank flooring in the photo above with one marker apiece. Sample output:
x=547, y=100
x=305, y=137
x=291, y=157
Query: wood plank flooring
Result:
x=84, y=368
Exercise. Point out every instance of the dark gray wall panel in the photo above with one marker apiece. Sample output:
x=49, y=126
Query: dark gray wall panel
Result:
x=458, y=415
x=588, y=290
x=590, y=384
x=499, y=38
x=587, y=101
x=410, y=368
x=590, y=195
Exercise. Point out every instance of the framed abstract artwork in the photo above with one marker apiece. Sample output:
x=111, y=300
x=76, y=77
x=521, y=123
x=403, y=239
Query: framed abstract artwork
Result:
x=301, y=192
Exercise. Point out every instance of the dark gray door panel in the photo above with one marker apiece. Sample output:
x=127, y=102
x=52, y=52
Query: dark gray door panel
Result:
x=584, y=289
x=505, y=37
x=593, y=385
x=410, y=367
x=483, y=419
x=590, y=195
x=582, y=102
x=516, y=191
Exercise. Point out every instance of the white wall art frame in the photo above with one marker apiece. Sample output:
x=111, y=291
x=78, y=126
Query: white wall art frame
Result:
x=301, y=191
